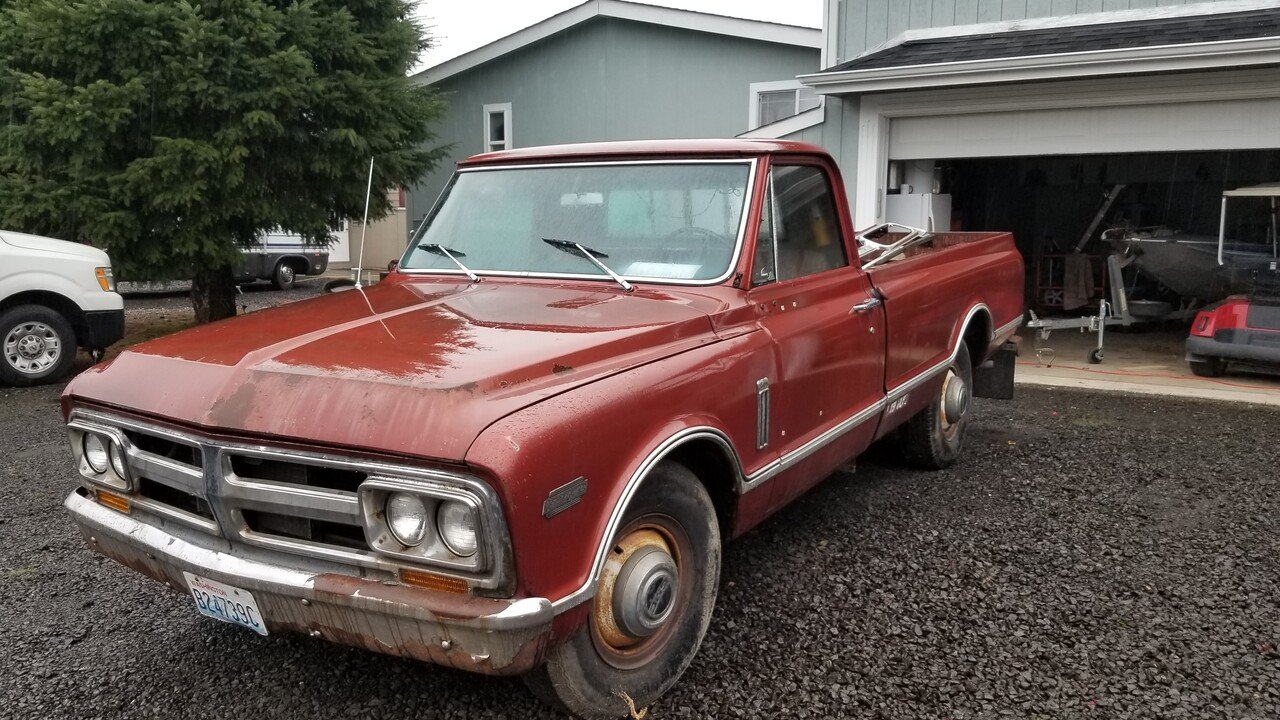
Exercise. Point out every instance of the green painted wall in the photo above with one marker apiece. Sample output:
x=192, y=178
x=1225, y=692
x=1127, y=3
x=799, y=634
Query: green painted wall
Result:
x=610, y=79
x=864, y=24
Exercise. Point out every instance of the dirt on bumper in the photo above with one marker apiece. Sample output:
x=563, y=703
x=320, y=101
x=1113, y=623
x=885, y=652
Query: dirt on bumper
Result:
x=483, y=635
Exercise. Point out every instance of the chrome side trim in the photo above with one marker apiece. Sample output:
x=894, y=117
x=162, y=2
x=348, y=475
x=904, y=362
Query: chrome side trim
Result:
x=588, y=588
x=751, y=162
x=789, y=460
x=762, y=413
x=1008, y=327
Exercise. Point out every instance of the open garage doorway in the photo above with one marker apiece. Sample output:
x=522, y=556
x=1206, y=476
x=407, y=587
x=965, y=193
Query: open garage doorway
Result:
x=1050, y=202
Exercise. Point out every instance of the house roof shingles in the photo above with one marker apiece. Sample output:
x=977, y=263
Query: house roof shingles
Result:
x=1080, y=38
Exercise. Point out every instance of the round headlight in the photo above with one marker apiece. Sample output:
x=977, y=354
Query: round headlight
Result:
x=95, y=452
x=407, y=518
x=118, y=462
x=457, y=524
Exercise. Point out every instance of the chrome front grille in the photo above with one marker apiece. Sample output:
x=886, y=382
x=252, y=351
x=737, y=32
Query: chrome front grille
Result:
x=297, y=502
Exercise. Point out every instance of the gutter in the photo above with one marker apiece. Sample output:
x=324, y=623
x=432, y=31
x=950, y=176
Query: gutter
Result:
x=1223, y=54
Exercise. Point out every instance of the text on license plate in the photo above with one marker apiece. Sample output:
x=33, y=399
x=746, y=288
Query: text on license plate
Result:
x=226, y=603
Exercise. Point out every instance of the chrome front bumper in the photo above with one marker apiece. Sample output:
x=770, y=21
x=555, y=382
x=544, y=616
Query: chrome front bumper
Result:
x=496, y=637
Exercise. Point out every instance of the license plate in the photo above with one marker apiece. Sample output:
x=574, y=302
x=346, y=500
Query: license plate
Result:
x=226, y=603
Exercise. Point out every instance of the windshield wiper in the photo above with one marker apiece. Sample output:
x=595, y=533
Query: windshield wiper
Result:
x=438, y=249
x=590, y=254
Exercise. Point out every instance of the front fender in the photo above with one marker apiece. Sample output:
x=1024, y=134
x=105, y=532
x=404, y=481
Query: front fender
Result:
x=610, y=432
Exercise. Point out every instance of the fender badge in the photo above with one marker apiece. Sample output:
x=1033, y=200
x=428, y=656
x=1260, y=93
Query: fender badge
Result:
x=564, y=497
x=900, y=403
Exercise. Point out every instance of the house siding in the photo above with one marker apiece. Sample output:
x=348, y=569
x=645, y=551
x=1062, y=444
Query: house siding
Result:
x=864, y=24
x=610, y=79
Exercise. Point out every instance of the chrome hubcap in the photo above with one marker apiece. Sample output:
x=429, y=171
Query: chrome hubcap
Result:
x=286, y=273
x=32, y=348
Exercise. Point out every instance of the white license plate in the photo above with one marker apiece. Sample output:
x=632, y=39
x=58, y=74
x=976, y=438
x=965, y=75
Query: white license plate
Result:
x=226, y=603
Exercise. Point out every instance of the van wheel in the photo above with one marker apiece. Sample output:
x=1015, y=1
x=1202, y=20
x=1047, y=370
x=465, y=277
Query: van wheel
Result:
x=934, y=437
x=284, y=276
x=37, y=345
x=653, y=603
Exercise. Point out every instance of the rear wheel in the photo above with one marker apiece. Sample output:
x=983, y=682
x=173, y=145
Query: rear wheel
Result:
x=653, y=603
x=934, y=438
x=1208, y=368
x=284, y=276
x=37, y=345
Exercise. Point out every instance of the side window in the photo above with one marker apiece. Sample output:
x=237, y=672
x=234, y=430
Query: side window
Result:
x=800, y=220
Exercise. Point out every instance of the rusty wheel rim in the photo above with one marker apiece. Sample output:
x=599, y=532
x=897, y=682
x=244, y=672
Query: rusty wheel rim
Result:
x=953, y=403
x=639, y=542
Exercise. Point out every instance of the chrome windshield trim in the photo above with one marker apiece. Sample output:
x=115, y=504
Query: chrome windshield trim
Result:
x=751, y=162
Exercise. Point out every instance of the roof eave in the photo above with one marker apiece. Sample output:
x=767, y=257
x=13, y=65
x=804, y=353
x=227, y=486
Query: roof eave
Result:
x=620, y=9
x=1222, y=54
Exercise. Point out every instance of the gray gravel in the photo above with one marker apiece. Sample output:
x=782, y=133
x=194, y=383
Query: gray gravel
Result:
x=1092, y=555
x=254, y=296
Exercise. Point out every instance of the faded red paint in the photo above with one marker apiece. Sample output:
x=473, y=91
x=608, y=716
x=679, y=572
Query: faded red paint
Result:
x=534, y=382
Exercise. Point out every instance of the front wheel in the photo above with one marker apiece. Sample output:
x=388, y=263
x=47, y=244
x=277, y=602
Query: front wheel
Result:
x=37, y=345
x=934, y=437
x=653, y=603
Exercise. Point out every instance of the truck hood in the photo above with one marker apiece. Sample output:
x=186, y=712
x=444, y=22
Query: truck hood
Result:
x=409, y=368
x=49, y=245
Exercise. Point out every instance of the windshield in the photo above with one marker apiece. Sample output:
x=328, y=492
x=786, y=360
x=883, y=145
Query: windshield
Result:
x=664, y=222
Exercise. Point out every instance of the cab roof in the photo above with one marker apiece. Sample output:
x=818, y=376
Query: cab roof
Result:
x=640, y=149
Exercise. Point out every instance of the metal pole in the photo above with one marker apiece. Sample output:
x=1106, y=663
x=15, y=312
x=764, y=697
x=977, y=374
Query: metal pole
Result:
x=364, y=227
x=1222, y=229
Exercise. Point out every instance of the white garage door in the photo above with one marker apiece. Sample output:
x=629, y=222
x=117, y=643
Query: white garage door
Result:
x=1230, y=125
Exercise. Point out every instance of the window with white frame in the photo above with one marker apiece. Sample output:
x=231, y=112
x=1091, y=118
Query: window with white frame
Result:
x=774, y=101
x=497, y=127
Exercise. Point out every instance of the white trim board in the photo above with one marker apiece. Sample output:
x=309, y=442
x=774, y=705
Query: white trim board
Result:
x=653, y=14
x=878, y=111
x=1224, y=54
x=790, y=125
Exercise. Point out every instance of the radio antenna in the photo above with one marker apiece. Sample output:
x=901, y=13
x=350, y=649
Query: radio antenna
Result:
x=364, y=227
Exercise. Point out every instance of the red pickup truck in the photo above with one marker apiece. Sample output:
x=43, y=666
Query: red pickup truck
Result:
x=522, y=452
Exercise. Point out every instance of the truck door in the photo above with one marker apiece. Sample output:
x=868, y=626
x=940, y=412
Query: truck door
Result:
x=824, y=320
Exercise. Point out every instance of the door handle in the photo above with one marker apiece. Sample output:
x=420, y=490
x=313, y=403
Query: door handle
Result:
x=866, y=305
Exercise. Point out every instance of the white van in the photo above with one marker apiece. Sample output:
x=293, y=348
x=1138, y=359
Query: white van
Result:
x=281, y=258
x=55, y=296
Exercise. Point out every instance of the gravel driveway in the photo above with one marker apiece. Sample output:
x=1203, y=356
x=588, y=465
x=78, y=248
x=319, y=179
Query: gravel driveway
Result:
x=1092, y=555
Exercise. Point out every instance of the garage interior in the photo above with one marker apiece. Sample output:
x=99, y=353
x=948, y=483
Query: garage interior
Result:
x=1050, y=202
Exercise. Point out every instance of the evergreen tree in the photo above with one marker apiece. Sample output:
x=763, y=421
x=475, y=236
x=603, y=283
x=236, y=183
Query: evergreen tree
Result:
x=171, y=133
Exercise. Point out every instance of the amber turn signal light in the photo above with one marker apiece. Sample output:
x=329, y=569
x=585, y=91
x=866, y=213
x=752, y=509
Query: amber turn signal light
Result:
x=431, y=581
x=106, y=280
x=114, y=501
